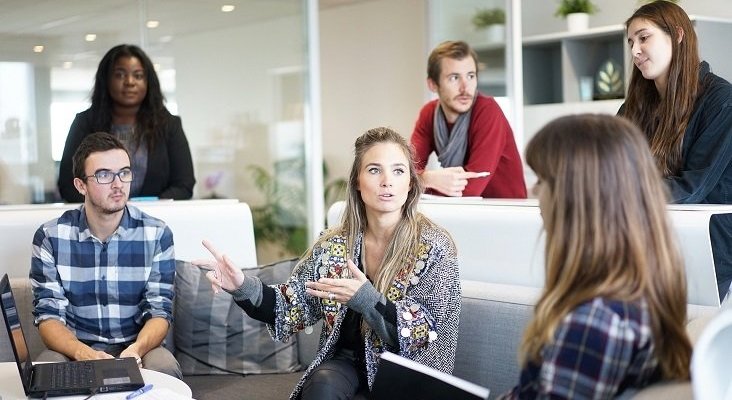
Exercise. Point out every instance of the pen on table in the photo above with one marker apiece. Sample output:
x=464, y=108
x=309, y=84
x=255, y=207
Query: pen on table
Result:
x=139, y=391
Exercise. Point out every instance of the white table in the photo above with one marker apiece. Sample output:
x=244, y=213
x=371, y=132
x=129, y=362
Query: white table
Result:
x=12, y=389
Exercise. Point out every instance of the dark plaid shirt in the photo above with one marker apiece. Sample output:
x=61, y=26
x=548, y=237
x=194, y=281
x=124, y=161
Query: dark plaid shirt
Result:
x=104, y=292
x=600, y=349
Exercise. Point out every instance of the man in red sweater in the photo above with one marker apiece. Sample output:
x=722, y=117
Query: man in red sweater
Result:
x=467, y=131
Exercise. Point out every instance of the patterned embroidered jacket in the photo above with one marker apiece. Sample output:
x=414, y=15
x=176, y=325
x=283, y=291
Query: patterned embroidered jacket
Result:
x=426, y=294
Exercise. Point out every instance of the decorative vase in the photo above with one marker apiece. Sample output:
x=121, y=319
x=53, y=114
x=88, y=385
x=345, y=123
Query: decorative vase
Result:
x=496, y=33
x=578, y=22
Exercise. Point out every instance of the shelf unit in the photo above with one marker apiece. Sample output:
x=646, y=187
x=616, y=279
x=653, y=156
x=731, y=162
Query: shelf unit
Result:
x=553, y=64
x=492, y=68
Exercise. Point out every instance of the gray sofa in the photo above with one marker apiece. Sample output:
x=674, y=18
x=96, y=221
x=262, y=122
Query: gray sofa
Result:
x=498, y=251
x=486, y=354
x=492, y=320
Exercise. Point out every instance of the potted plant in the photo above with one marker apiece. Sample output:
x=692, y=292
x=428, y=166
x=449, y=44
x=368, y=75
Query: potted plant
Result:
x=577, y=13
x=491, y=20
x=280, y=223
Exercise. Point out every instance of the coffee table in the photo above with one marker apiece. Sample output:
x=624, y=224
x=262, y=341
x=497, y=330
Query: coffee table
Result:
x=12, y=389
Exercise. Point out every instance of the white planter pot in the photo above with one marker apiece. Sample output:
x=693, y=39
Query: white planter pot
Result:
x=578, y=22
x=496, y=33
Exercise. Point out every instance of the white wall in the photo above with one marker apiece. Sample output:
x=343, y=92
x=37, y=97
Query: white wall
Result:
x=373, y=71
x=226, y=81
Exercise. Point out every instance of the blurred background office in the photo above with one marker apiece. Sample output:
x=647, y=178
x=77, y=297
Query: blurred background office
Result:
x=273, y=92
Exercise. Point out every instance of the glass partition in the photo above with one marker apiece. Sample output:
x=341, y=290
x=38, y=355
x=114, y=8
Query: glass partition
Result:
x=235, y=74
x=486, y=25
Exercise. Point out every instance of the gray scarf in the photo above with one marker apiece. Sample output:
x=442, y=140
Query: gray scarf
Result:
x=451, y=146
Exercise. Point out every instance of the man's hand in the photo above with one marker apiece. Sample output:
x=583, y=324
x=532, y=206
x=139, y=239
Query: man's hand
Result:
x=57, y=337
x=449, y=181
x=88, y=353
x=131, y=351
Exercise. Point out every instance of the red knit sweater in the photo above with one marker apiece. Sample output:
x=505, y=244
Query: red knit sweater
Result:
x=491, y=147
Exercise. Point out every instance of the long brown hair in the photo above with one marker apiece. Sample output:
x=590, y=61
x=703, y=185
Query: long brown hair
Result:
x=353, y=222
x=607, y=233
x=664, y=120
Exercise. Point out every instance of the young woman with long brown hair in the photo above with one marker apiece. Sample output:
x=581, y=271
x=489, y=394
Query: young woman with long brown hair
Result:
x=686, y=113
x=612, y=313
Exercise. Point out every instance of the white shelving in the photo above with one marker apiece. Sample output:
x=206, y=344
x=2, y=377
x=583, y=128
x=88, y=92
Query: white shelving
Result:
x=492, y=76
x=554, y=63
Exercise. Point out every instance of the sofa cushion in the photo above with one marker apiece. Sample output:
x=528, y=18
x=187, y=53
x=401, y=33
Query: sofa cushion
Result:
x=492, y=321
x=214, y=336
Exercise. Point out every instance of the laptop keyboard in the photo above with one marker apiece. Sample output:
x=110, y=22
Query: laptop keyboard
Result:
x=72, y=375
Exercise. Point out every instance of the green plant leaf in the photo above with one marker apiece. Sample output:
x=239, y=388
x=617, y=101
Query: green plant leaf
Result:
x=485, y=17
x=575, y=6
x=282, y=218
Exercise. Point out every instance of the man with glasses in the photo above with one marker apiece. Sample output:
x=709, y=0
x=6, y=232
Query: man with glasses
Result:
x=102, y=274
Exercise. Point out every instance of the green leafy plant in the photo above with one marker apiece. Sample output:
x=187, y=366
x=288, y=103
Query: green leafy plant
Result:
x=282, y=218
x=485, y=17
x=575, y=6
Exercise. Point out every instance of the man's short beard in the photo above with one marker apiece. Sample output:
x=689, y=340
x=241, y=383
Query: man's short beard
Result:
x=111, y=210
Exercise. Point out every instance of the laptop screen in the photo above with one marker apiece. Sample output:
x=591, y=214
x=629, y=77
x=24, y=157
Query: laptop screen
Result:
x=15, y=331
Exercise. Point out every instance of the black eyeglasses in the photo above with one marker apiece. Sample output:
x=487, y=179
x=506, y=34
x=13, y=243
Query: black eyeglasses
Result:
x=106, y=176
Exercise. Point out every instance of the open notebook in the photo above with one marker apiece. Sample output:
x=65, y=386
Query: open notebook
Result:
x=402, y=378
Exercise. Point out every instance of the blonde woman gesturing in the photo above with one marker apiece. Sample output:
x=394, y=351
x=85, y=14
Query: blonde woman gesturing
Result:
x=385, y=279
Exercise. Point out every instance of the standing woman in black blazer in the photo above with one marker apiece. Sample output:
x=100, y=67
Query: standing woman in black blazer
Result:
x=127, y=102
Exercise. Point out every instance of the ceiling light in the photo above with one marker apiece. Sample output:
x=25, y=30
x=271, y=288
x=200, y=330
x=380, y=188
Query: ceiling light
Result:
x=156, y=66
x=152, y=24
x=166, y=39
x=227, y=8
x=90, y=37
x=38, y=49
x=67, y=64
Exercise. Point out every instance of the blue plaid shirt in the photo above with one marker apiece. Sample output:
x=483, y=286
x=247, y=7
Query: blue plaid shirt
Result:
x=600, y=349
x=103, y=292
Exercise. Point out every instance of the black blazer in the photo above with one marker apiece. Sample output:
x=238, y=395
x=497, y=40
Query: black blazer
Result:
x=169, y=172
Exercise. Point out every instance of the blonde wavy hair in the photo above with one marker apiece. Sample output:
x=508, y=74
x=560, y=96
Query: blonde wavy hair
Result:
x=405, y=241
x=607, y=233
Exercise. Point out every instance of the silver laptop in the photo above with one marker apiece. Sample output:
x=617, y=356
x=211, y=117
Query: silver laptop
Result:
x=65, y=378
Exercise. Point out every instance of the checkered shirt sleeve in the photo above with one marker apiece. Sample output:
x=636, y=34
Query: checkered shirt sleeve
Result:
x=600, y=348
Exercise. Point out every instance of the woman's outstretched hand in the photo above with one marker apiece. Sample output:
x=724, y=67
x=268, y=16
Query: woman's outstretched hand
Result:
x=221, y=272
x=340, y=290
